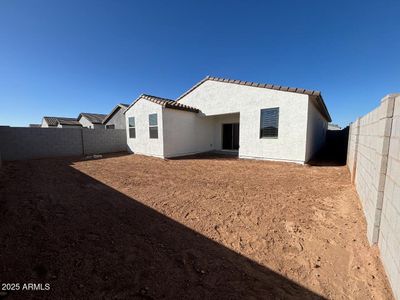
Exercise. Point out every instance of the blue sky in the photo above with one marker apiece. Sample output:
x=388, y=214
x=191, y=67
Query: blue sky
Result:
x=66, y=57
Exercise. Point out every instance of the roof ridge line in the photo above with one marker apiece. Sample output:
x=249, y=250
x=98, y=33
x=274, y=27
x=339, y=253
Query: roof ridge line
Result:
x=253, y=84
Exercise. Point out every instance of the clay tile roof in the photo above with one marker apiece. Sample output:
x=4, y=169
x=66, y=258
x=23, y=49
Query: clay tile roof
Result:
x=168, y=103
x=249, y=83
x=320, y=101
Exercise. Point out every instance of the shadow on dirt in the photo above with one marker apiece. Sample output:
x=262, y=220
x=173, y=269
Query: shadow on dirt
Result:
x=90, y=241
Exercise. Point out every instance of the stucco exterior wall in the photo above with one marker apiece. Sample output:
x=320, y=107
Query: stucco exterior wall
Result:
x=85, y=122
x=142, y=144
x=316, y=130
x=187, y=133
x=118, y=119
x=215, y=98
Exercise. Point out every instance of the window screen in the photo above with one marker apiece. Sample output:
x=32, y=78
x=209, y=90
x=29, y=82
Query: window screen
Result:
x=269, y=122
x=132, y=128
x=153, y=126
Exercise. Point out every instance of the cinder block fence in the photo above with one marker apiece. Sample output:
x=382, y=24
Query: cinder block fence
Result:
x=374, y=161
x=17, y=143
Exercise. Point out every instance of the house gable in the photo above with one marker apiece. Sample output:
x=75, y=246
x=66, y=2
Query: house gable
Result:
x=115, y=110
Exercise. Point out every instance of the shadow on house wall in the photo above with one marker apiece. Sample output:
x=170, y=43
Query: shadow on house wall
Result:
x=90, y=241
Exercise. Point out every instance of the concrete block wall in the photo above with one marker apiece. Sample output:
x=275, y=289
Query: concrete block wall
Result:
x=352, y=147
x=103, y=141
x=389, y=233
x=374, y=163
x=17, y=143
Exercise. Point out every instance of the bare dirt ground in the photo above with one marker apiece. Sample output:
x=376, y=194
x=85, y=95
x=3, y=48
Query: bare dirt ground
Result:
x=134, y=227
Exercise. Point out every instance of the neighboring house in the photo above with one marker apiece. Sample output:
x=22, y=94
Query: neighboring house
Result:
x=35, y=125
x=116, y=118
x=334, y=127
x=60, y=122
x=90, y=120
x=258, y=121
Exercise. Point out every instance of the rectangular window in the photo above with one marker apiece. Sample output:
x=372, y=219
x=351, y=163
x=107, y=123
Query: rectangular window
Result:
x=110, y=126
x=153, y=126
x=132, y=128
x=269, y=123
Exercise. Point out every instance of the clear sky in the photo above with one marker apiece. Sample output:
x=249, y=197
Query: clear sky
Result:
x=65, y=57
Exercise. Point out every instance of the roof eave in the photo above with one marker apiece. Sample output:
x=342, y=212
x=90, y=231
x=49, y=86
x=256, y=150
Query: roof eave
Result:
x=329, y=119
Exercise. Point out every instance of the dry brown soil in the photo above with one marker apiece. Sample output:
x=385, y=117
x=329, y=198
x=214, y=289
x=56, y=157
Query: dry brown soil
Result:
x=135, y=227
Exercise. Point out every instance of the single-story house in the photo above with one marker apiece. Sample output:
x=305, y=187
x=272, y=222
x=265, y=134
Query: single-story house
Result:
x=258, y=121
x=116, y=118
x=90, y=120
x=60, y=122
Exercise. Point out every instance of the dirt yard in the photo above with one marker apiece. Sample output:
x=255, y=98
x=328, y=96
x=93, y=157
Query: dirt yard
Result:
x=134, y=227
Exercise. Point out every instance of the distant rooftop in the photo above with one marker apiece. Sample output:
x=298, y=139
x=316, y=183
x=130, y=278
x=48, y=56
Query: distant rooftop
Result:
x=54, y=121
x=93, y=118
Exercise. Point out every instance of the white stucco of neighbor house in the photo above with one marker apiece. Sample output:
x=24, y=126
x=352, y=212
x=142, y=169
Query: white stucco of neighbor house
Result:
x=91, y=120
x=86, y=123
x=303, y=120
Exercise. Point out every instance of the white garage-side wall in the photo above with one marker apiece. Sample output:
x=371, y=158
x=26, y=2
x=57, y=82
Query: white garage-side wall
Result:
x=215, y=98
x=143, y=144
x=187, y=133
x=316, y=130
